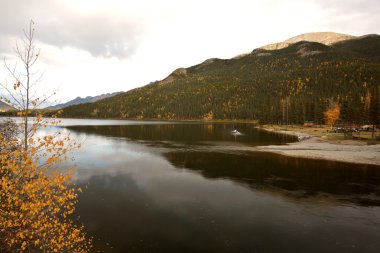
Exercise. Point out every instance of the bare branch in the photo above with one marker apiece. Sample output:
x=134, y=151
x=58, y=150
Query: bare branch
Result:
x=38, y=80
x=15, y=101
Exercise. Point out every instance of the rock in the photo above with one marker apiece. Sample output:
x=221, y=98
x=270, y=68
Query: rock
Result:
x=326, y=38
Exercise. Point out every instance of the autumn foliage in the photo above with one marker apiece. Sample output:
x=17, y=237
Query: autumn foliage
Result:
x=332, y=114
x=36, y=197
x=36, y=190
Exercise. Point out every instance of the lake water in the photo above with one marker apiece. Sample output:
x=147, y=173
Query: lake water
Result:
x=191, y=187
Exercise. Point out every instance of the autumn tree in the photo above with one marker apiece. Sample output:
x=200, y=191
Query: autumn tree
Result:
x=332, y=114
x=37, y=195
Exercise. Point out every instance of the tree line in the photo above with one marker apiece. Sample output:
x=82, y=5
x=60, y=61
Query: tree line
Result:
x=279, y=86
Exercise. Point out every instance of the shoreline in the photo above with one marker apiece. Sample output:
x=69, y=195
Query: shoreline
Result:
x=313, y=147
x=310, y=145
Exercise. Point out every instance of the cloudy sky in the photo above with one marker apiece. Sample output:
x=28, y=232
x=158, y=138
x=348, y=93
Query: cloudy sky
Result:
x=90, y=47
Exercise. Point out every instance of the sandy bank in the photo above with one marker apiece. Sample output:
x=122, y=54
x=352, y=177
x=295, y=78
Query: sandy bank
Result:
x=321, y=148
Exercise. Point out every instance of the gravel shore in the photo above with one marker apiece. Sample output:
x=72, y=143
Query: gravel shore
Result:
x=321, y=148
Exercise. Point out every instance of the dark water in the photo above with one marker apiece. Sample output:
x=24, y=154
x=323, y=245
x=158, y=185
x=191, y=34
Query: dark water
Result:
x=195, y=188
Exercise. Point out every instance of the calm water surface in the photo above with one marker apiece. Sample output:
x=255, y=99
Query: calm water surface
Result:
x=176, y=187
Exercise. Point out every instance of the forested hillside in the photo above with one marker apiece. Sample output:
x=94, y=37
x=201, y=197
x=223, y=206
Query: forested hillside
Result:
x=293, y=84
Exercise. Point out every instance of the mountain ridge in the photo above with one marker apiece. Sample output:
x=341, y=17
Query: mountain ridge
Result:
x=5, y=107
x=326, y=38
x=302, y=78
x=80, y=100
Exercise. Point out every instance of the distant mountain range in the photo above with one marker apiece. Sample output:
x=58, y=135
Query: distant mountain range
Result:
x=5, y=107
x=79, y=100
x=292, y=81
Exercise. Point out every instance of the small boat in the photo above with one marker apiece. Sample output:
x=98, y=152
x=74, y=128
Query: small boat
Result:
x=235, y=132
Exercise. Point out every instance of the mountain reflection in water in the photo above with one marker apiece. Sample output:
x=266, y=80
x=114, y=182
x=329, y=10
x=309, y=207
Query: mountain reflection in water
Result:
x=195, y=188
x=293, y=177
x=189, y=133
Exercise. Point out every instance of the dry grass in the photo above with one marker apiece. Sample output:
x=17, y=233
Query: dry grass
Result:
x=325, y=132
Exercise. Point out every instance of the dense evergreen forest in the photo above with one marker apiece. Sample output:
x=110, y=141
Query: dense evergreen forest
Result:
x=289, y=85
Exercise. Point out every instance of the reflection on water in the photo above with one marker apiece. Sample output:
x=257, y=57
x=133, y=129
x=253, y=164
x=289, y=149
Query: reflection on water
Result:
x=296, y=177
x=188, y=196
x=189, y=133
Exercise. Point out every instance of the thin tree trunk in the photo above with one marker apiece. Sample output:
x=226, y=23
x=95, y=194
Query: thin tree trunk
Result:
x=28, y=62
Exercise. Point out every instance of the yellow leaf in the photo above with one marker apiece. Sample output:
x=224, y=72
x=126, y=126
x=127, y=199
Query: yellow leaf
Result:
x=23, y=245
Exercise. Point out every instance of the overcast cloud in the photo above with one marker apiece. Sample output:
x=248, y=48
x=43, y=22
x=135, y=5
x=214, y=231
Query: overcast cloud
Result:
x=89, y=47
x=99, y=33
